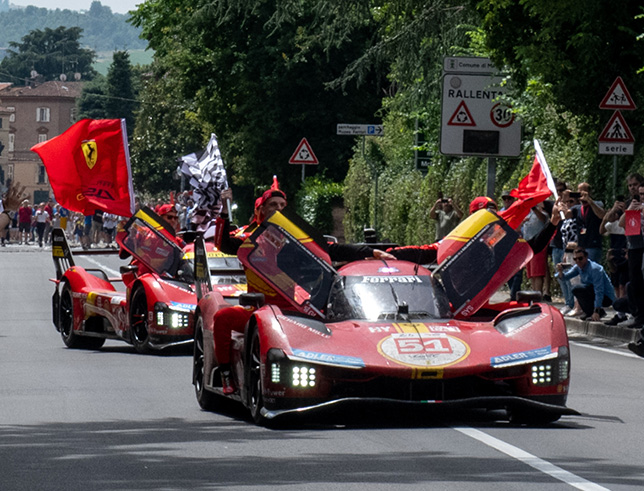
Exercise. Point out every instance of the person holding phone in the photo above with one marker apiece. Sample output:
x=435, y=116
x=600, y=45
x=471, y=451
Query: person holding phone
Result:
x=635, y=246
x=447, y=213
x=588, y=217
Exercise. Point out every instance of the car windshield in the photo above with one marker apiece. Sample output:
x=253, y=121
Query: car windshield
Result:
x=152, y=248
x=387, y=297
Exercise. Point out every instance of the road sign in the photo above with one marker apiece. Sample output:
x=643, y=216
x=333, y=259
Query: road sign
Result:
x=303, y=154
x=618, y=97
x=360, y=129
x=475, y=120
x=616, y=137
x=463, y=64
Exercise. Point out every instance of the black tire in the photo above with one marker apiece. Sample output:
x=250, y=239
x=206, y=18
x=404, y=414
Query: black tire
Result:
x=139, y=329
x=531, y=417
x=207, y=400
x=66, y=322
x=255, y=399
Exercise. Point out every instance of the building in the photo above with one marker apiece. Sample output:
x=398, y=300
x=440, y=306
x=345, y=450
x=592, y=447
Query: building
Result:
x=35, y=113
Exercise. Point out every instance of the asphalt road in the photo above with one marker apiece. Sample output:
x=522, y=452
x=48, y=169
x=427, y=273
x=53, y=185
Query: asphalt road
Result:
x=116, y=420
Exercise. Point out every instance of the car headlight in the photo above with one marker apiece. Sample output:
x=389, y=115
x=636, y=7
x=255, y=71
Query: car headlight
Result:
x=294, y=374
x=552, y=372
x=174, y=319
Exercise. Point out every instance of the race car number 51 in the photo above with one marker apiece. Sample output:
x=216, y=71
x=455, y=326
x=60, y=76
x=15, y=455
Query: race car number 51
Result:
x=416, y=345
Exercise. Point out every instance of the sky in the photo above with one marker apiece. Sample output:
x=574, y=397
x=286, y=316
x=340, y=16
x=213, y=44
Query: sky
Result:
x=117, y=6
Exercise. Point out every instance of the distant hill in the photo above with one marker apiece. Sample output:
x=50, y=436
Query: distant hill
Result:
x=103, y=30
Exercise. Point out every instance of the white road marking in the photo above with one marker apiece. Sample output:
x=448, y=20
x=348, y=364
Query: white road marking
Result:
x=627, y=354
x=102, y=266
x=533, y=461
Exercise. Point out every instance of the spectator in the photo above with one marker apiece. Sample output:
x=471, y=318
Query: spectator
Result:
x=536, y=269
x=635, y=246
x=96, y=229
x=109, y=228
x=595, y=291
x=42, y=219
x=9, y=203
x=588, y=216
x=25, y=215
x=447, y=214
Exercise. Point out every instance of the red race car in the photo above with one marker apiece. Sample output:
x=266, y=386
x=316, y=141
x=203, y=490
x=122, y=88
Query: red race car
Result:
x=385, y=331
x=155, y=307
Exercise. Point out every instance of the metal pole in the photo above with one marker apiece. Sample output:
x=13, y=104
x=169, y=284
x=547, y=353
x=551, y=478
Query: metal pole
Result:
x=614, y=177
x=491, y=176
x=303, y=165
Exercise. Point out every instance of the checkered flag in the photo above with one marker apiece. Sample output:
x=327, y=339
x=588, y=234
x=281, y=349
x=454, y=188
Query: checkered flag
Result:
x=207, y=176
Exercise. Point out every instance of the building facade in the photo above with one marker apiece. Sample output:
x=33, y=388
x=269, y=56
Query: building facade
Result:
x=35, y=113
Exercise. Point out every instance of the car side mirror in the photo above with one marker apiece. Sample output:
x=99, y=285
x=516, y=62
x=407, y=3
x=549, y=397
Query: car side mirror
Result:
x=252, y=300
x=129, y=268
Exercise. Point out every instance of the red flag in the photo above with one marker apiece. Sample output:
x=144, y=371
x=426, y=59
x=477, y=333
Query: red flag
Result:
x=534, y=188
x=89, y=167
x=633, y=222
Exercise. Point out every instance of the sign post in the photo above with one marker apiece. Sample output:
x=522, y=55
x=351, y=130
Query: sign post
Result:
x=303, y=155
x=365, y=130
x=616, y=137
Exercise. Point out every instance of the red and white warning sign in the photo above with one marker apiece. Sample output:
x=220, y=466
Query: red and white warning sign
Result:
x=618, y=97
x=462, y=116
x=303, y=154
x=616, y=137
x=616, y=130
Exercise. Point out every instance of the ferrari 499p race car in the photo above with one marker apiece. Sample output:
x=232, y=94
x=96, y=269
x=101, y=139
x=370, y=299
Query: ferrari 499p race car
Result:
x=155, y=307
x=379, y=331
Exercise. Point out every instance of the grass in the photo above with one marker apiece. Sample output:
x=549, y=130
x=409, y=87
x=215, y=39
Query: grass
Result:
x=137, y=57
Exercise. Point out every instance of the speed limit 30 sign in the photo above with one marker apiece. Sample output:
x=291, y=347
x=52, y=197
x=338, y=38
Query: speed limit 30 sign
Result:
x=475, y=120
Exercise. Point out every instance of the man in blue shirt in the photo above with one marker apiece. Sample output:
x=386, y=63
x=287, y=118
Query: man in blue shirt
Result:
x=595, y=291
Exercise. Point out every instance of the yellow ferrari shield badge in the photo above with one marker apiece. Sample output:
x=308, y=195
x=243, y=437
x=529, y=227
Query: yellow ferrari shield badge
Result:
x=90, y=151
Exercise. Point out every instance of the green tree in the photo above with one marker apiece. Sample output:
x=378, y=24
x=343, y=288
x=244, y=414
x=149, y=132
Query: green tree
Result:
x=261, y=84
x=50, y=52
x=91, y=103
x=120, y=101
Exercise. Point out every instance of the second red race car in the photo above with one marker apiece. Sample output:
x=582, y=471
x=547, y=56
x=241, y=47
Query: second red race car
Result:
x=384, y=331
x=154, y=307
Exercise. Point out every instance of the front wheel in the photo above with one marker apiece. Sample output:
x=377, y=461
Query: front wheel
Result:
x=207, y=400
x=254, y=377
x=66, y=323
x=139, y=329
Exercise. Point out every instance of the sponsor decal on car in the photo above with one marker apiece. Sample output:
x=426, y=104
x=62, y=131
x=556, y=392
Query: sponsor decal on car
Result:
x=331, y=359
x=186, y=307
x=523, y=357
x=423, y=349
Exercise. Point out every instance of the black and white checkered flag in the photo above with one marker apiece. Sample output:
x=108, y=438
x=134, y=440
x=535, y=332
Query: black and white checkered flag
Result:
x=207, y=176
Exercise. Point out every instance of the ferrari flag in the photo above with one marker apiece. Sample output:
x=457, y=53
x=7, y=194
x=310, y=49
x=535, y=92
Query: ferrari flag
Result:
x=534, y=188
x=89, y=167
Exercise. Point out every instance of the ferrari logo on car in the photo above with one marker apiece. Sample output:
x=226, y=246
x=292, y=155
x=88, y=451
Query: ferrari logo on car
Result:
x=90, y=151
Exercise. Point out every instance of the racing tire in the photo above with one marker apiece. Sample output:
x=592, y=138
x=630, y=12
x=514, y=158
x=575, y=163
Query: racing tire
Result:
x=207, y=400
x=66, y=323
x=531, y=417
x=139, y=329
x=255, y=401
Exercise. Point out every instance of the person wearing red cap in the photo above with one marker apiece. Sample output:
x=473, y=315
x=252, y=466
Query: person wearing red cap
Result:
x=481, y=202
x=234, y=318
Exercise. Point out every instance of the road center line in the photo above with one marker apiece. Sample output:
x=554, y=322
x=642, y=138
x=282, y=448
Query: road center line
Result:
x=102, y=266
x=533, y=461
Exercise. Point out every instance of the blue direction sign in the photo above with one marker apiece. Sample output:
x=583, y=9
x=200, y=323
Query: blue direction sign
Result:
x=360, y=129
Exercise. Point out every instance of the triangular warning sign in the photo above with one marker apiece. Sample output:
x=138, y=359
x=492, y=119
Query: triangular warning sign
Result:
x=618, y=97
x=303, y=154
x=617, y=130
x=461, y=117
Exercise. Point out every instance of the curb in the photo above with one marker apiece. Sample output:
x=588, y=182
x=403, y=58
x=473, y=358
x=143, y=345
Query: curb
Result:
x=600, y=330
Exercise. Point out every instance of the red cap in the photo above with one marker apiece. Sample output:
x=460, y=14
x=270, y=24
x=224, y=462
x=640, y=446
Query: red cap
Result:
x=165, y=209
x=480, y=203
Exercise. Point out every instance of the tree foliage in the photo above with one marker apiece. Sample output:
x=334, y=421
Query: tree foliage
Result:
x=103, y=30
x=50, y=52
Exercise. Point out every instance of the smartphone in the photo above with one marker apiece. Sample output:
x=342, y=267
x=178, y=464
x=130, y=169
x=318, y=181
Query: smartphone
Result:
x=575, y=195
x=620, y=198
x=444, y=200
x=636, y=197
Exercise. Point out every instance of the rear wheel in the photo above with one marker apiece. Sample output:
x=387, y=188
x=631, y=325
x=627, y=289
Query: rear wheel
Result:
x=254, y=377
x=139, y=329
x=207, y=400
x=66, y=323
